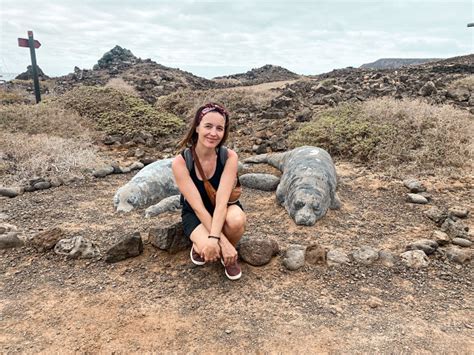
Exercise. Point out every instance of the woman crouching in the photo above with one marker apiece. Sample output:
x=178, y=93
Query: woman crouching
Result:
x=211, y=219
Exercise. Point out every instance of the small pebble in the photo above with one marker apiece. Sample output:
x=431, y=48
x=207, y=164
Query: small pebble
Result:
x=458, y=212
x=228, y=331
x=416, y=198
x=462, y=242
x=374, y=302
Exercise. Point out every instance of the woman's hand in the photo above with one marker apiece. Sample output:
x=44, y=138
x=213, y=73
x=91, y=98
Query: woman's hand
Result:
x=211, y=251
x=229, y=254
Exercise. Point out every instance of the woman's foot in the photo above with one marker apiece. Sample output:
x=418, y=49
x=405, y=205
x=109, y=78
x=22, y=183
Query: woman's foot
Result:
x=196, y=258
x=232, y=271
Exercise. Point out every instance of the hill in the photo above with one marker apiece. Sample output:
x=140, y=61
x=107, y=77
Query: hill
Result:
x=146, y=77
x=394, y=63
x=266, y=74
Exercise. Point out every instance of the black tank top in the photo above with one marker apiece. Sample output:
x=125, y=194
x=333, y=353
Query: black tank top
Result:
x=214, y=180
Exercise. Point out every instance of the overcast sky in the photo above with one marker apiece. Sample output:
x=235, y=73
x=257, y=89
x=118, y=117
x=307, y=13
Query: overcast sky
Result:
x=212, y=38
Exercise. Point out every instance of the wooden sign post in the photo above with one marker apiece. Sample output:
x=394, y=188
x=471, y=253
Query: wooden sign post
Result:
x=32, y=44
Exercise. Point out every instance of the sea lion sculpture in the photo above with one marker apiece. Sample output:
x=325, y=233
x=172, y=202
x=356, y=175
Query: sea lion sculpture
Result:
x=308, y=183
x=152, y=184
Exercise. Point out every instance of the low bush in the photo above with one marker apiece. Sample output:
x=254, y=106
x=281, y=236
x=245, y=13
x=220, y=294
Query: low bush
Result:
x=25, y=156
x=467, y=82
x=9, y=97
x=185, y=103
x=121, y=85
x=118, y=112
x=44, y=118
x=393, y=135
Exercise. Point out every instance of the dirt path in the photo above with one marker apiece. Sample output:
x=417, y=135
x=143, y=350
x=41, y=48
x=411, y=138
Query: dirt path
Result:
x=265, y=86
x=161, y=302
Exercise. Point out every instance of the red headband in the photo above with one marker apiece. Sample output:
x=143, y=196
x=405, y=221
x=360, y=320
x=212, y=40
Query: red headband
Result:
x=213, y=107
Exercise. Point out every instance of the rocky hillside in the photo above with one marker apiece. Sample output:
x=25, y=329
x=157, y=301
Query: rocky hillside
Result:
x=266, y=74
x=446, y=82
x=432, y=81
x=394, y=63
x=150, y=79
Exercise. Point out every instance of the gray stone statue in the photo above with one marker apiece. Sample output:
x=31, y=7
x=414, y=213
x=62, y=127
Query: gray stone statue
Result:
x=308, y=183
x=152, y=184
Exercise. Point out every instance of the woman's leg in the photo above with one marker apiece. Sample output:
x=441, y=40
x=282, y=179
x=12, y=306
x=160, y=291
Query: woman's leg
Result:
x=234, y=226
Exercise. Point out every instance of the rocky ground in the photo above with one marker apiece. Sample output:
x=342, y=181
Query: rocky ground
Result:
x=162, y=302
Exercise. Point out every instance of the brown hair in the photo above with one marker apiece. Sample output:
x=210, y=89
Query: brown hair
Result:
x=191, y=136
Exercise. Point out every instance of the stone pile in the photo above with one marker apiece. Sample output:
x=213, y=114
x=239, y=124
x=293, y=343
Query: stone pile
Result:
x=115, y=59
x=418, y=194
x=416, y=255
x=35, y=184
x=28, y=74
x=39, y=183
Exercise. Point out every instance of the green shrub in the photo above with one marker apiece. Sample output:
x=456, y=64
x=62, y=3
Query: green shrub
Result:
x=393, y=135
x=341, y=135
x=118, y=112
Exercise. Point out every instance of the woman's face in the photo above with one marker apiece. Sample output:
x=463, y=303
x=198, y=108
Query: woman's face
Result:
x=211, y=129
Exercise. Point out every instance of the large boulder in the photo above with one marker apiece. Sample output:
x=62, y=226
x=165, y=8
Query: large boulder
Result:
x=257, y=251
x=128, y=247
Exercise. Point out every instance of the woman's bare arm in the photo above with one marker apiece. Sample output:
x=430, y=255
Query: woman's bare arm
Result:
x=190, y=192
x=226, y=185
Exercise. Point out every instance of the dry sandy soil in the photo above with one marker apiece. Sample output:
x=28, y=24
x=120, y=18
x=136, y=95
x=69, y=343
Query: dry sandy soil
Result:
x=161, y=302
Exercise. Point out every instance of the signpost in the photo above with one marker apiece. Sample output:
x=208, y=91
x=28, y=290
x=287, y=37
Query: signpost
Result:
x=32, y=44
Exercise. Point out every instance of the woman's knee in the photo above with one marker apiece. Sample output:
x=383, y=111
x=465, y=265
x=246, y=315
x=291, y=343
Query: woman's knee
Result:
x=199, y=237
x=236, y=222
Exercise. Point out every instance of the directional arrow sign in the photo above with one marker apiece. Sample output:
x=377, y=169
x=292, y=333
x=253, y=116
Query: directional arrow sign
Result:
x=23, y=42
x=31, y=43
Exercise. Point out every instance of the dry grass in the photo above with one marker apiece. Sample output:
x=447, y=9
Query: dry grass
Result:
x=227, y=81
x=121, y=85
x=395, y=136
x=13, y=96
x=26, y=156
x=185, y=103
x=467, y=82
x=265, y=86
x=47, y=118
x=44, y=140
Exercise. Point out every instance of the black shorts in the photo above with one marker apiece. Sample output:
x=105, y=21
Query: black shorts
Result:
x=191, y=221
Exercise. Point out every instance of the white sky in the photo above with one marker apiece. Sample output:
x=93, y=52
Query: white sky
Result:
x=212, y=38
